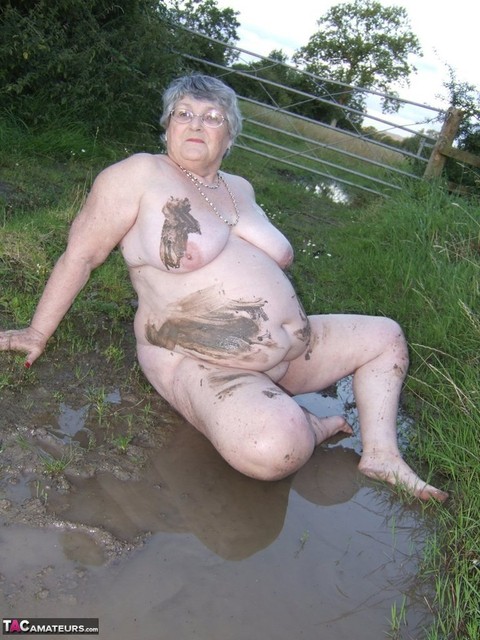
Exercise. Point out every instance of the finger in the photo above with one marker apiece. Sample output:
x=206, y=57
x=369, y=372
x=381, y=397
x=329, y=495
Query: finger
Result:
x=6, y=340
x=32, y=355
x=14, y=340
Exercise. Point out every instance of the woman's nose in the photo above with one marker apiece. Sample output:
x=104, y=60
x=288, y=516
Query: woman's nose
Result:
x=196, y=122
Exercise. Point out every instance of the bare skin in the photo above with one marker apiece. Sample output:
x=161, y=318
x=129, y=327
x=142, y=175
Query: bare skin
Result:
x=220, y=331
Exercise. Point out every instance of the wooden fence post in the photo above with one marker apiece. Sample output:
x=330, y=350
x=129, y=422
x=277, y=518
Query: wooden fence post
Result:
x=447, y=135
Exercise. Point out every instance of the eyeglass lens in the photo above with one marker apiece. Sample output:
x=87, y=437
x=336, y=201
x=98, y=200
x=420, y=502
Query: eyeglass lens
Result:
x=211, y=118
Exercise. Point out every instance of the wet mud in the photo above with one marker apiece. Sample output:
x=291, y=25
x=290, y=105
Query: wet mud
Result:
x=120, y=510
x=202, y=325
x=178, y=224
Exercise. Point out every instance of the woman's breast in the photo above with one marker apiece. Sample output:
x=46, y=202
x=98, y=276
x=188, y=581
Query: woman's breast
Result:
x=173, y=240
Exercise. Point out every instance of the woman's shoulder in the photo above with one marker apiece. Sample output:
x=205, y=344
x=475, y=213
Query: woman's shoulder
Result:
x=139, y=161
x=235, y=179
x=135, y=166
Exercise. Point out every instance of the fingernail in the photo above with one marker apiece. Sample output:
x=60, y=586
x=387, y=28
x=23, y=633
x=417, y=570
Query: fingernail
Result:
x=27, y=365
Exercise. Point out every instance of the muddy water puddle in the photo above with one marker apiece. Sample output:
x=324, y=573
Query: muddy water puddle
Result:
x=164, y=541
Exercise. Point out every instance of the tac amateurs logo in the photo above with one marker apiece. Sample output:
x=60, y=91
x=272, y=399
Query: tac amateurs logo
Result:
x=47, y=626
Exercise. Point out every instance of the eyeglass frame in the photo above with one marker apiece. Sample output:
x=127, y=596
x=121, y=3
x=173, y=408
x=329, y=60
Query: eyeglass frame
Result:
x=201, y=116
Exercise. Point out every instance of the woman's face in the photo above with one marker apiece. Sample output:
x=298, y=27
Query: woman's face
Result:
x=194, y=141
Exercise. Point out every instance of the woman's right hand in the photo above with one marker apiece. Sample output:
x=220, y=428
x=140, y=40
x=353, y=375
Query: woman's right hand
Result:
x=29, y=341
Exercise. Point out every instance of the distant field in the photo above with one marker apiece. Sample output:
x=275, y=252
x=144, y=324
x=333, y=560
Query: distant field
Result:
x=348, y=159
x=318, y=132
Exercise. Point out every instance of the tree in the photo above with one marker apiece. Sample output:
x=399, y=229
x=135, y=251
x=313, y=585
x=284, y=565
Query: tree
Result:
x=466, y=97
x=90, y=62
x=363, y=44
x=272, y=81
x=206, y=18
x=273, y=70
x=102, y=63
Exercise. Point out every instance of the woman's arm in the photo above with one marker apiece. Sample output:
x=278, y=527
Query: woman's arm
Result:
x=108, y=213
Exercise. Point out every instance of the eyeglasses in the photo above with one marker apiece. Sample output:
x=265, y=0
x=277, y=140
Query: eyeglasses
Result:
x=211, y=118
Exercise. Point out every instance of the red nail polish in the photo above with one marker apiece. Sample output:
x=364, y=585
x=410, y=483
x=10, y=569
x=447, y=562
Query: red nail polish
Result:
x=27, y=365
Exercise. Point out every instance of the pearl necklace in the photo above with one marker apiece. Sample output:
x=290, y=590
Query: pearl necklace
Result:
x=199, y=186
x=215, y=185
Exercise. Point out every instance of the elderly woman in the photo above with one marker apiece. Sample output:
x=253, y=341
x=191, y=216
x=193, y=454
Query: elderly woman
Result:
x=220, y=332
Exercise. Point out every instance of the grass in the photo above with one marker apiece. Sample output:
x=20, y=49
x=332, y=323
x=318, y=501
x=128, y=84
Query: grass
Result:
x=97, y=398
x=398, y=620
x=415, y=257
x=56, y=466
x=122, y=441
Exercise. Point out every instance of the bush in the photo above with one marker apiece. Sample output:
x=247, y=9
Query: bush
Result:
x=99, y=62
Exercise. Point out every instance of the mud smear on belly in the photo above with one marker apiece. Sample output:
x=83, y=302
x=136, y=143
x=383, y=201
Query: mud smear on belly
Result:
x=178, y=224
x=208, y=324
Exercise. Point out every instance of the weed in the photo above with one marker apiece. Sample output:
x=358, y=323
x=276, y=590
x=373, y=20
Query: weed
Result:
x=397, y=619
x=147, y=414
x=80, y=344
x=79, y=374
x=97, y=397
x=58, y=396
x=56, y=466
x=23, y=442
x=114, y=354
x=129, y=419
x=121, y=442
x=14, y=372
x=5, y=380
x=92, y=442
x=137, y=378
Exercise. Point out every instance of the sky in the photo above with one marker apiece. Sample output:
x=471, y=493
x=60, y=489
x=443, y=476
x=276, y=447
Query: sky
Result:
x=447, y=32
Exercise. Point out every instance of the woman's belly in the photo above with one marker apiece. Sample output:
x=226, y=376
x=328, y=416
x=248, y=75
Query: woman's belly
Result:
x=239, y=310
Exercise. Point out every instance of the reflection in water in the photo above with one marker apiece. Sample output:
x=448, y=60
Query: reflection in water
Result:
x=322, y=554
x=71, y=421
x=333, y=191
x=330, y=477
x=186, y=488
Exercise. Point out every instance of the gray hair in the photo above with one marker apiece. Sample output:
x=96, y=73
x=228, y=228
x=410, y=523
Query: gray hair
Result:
x=206, y=88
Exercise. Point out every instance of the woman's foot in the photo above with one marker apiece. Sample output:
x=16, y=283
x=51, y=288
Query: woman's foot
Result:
x=325, y=428
x=393, y=469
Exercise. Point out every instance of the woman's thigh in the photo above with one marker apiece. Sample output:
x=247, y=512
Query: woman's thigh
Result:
x=340, y=344
x=255, y=425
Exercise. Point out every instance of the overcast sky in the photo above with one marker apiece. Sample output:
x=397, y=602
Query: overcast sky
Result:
x=448, y=34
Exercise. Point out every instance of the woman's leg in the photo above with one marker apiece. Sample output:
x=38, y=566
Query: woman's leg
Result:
x=374, y=350
x=257, y=427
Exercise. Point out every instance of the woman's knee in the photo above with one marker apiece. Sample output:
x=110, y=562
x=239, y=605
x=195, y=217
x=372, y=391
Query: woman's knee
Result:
x=396, y=341
x=276, y=450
